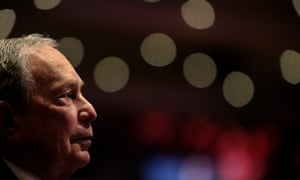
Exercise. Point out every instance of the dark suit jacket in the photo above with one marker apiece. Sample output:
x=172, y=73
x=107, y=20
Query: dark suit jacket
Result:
x=6, y=172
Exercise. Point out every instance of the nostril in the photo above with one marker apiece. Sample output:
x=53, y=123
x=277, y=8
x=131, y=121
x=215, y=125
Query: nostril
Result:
x=86, y=121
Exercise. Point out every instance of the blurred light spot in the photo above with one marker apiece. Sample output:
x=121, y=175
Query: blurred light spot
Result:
x=198, y=14
x=151, y=1
x=196, y=168
x=264, y=142
x=234, y=162
x=235, y=165
x=199, y=70
x=111, y=74
x=155, y=128
x=73, y=49
x=240, y=156
x=7, y=22
x=290, y=66
x=238, y=89
x=199, y=134
x=296, y=4
x=158, y=49
x=46, y=4
x=160, y=167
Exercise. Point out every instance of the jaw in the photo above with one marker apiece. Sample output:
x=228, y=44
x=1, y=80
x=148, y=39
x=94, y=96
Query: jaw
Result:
x=79, y=154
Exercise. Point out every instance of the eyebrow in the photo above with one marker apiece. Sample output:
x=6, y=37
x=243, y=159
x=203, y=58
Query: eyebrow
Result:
x=69, y=84
x=73, y=83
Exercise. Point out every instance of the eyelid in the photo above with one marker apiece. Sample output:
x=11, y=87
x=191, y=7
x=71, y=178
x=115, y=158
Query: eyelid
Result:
x=69, y=90
x=67, y=93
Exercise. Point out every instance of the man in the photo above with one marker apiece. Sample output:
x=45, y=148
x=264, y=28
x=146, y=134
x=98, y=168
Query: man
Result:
x=45, y=121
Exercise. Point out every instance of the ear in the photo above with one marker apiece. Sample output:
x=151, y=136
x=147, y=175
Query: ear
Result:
x=7, y=124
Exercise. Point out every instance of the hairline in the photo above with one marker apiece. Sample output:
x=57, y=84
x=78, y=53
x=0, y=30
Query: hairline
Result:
x=17, y=53
x=39, y=41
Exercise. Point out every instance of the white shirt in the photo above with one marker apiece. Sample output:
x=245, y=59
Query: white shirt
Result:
x=21, y=173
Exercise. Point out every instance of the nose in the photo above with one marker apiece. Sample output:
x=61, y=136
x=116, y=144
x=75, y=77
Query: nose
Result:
x=87, y=113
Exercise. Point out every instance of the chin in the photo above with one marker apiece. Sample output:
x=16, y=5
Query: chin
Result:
x=82, y=158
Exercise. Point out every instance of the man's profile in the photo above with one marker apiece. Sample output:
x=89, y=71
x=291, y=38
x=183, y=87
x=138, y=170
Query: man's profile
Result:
x=45, y=121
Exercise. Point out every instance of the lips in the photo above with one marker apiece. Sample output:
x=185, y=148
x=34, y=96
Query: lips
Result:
x=81, y=138
x=84, y=141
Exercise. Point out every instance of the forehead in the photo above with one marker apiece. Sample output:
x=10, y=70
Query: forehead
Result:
x=49, y=67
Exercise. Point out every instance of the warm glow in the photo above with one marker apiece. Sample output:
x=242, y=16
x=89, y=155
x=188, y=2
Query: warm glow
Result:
x=296, y=4
x=199, y=70
x=290, y=66
x=73, y=49
x=238, y=89
x=111, y=74
x=46, y=4
x=198, y=14
x=155, y=128
x=158, y=49
x=242, y=154
x=199, y=133
x=7, y=22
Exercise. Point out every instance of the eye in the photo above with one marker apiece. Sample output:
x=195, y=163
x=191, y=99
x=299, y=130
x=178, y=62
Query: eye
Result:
x=66, y=98
x=70, y=95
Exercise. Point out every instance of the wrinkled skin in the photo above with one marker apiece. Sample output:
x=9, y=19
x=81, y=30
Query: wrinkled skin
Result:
x=53, y=133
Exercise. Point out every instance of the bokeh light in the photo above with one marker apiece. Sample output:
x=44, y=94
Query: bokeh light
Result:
x=199, y=70
x=158, y=49
x=197, y=167
x=7, y=22
x=238, y=89
x=206, y=138
x=242, y=155
x=155, y=128
x=198, y=133
x=290, y=66
x=296, y=4
x=73, y=49
x=111, y=74
x=160, y=167
x=46, y=4
x=198, y=14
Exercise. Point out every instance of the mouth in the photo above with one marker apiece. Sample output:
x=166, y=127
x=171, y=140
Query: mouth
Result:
x=81, y=138
x=83, y=141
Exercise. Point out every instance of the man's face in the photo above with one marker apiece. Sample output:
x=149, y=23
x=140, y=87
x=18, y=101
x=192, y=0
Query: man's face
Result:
x=56, y=125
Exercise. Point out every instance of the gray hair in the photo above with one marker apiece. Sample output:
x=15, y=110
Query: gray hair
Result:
x=16, y=81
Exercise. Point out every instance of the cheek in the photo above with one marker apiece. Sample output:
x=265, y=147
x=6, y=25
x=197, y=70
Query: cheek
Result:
x=56, y=131
x=63, y=122
x=50, y=125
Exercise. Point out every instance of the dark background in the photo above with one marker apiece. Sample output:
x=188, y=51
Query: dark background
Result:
x=247, y=36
